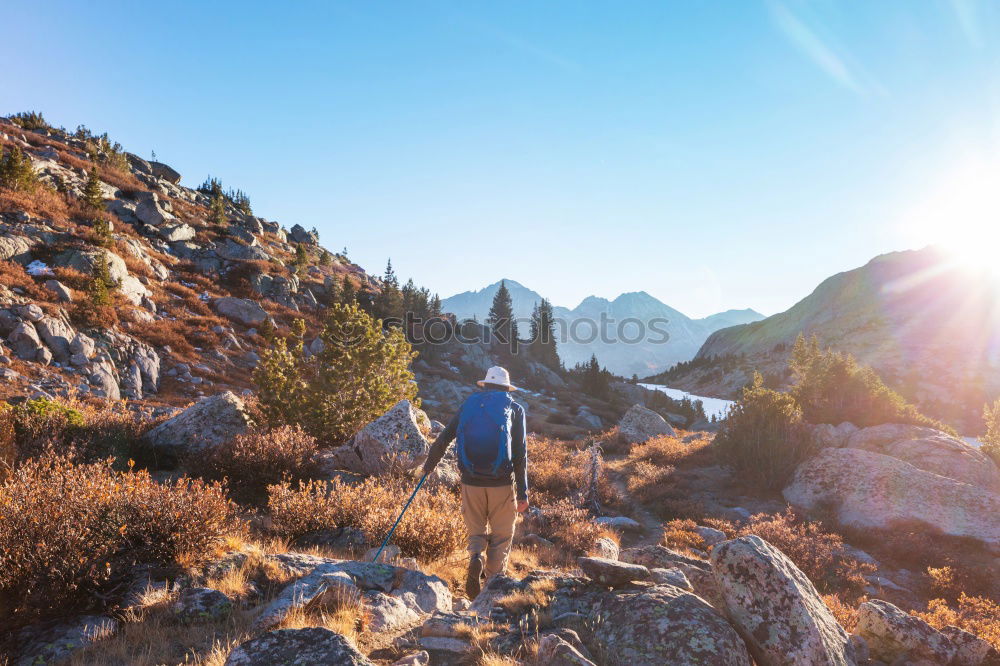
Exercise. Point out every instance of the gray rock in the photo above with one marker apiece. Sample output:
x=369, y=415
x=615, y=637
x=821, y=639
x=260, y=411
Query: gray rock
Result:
x=867, y=490
x=395, y=439
x=164, y=172
x=242, y=310
x=388, y=554
x=299, y=235
x=24, y=341
x=207, y=423
x=176, y=232
x=388, y=613
x=83, y=260
x=612, y=572
x=710, y=535
x=201, y=604
x=232, y=250
x=29, y=312
x=555, y=651
x=775, y=607
x=54, y=644
x=82, y=344
x=445, y=650
x=15, y=248
x=622, y=523
x=892, y=633
x=970, y=650
x=297, y=647
x=58, y=335
x=672, y=576
x=640, y=424
x=325, y=585
x=416, y=659
x=931, y=450
x=61, y=291
x=150, y=210
x=605, y=548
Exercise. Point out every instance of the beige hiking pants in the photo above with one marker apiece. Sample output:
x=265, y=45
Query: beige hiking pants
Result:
x=489, y=515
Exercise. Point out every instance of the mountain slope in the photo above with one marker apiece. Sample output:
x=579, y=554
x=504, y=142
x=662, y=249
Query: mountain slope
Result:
x=626, y=334
x=924, y=322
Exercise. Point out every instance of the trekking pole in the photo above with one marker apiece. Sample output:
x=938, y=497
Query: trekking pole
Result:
x=407, y=506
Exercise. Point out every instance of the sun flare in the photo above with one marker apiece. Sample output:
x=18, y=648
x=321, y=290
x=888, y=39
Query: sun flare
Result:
x=962, y=215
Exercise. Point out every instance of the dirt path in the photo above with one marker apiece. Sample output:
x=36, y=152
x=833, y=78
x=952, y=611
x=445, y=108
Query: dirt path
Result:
x=652, y=527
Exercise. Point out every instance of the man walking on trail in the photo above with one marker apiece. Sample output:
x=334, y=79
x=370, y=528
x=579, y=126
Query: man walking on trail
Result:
x=490, y=430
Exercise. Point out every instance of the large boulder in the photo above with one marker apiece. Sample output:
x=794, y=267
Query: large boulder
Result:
x=869, y=490
x=151, y=210
x=57, y=334
x=241, y=310
x=640, y=424
x=394, y=440
x=892, y=634
x=298, y=234
x=207, y=423
x=25, y=342
x=15, y=248
x=931, y=450
x=612, y=572
x=297, y=647
x=83, y=260
x=46, y=644
x=654, y=625
x=776, y=608
x=165, y=172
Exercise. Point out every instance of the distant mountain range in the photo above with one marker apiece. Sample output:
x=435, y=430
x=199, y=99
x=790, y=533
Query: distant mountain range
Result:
x=647, y=356
x=929, y=325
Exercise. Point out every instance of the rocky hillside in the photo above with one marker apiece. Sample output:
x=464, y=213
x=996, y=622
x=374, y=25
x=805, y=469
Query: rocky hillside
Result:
x=929, y=327
x=189, y=293
x=652, y=354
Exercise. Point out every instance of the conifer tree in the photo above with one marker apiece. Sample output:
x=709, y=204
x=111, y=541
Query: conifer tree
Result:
x=501, y=322
x=301, y=258
x=101, y=284
x=217, y=210
x=16, y=172
x=102, y=235
x=389, y=301
x=93, y=196
x=348, y=294
x=325, y=258
x=543, y=336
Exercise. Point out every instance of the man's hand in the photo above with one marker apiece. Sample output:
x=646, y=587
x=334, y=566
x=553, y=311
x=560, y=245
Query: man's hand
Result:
x=522, y=506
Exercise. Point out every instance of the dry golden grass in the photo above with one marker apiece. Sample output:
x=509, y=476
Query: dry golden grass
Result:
x=846, y=613
x=537, y=595
x=680, y=534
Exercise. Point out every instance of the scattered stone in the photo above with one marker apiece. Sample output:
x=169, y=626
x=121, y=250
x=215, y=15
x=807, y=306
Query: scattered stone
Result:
x=201, y=604
x=55, y=644
x=640, y=424
x=535, y=541
x=891, y=634
x=297, y=647
x=242, y=310
x=672, y=576
x=554, y=651
x=623, y=523
x=445, y=648
x=389, y=554
x=710, y=535
x=416, y=659
x=24, y=341
x=164, y=172
x=606, y=548
x=970, y=650
x=775, y=607
x=612, y=572
x=323, y=584
x=61, y=291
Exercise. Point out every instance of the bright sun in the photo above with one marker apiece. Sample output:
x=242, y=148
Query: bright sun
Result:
x=962, y=214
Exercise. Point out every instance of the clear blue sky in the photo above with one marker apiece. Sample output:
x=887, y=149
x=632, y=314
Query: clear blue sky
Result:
x=715, y=154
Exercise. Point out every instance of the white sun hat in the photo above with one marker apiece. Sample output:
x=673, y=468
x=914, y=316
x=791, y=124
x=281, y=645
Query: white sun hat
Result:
x=499, y=377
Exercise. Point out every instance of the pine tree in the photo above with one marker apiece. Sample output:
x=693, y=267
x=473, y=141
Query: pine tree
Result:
x=93, y=196
x=348, y=294
x=325, y=258
x=101, y=234
x=501, y=322
x=16, y=172
x=301, y=258
x=333, y=293
x=435, y=306
x=389, y=301
x=596, y=380
x=217, y=210
x=101, y=284
x=543, y=336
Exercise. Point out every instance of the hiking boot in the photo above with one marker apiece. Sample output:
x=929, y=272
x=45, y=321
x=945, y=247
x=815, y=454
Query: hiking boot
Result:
x=474, y=579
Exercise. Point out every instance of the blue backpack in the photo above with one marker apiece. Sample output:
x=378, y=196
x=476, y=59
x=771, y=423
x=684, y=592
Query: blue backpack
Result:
x=484, y=425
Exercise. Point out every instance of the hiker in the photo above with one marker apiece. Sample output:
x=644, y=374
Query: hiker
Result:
x=491, y=449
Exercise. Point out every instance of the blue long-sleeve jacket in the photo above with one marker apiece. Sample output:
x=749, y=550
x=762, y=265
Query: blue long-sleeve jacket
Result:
x=518, y=454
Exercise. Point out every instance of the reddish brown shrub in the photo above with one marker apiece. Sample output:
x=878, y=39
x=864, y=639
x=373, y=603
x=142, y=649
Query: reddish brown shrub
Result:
x=68, y=530
x=258, y=459
x=433, y=525
x=977, y=615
